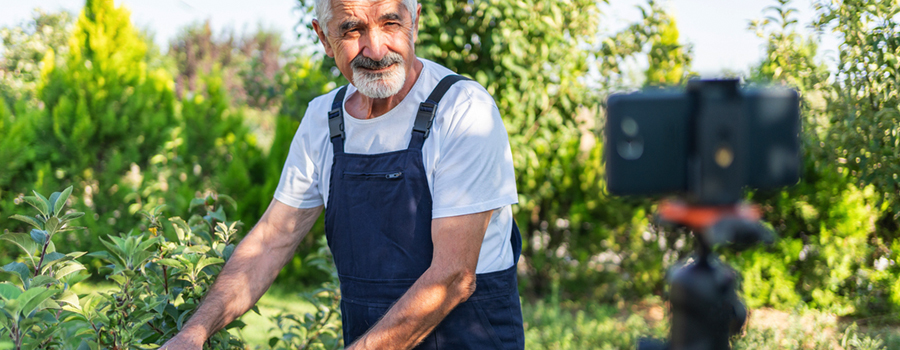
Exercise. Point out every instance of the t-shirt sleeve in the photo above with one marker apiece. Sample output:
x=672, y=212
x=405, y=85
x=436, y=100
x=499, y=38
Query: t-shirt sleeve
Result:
x=299, y=184
x=474, y=172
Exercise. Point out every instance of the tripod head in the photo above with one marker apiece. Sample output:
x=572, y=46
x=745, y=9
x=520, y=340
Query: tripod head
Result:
x=706, y=311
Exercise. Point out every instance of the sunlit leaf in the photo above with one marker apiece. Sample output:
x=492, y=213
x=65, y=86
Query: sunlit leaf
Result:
x=70, y=268
x=60, y=202
x=32, y=298
x=29, y=220
x=23, y=241
x=39, y=204
x=9, y=291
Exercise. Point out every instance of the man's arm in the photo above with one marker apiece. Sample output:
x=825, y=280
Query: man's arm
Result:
x=248, y=273
x=449, y=281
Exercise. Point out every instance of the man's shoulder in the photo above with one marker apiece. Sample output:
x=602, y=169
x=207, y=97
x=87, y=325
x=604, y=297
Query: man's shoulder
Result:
x=466, y=91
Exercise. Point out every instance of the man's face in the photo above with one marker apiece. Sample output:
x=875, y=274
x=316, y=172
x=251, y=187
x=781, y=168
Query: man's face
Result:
x=372, y=43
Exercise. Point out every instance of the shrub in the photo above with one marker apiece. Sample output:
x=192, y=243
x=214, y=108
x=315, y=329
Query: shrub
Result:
x=32, y=310
x=157, y=282
x=159, y=275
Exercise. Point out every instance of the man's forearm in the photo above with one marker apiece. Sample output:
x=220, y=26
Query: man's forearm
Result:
x=449, y=281
x=419, y=311
x=250, y=271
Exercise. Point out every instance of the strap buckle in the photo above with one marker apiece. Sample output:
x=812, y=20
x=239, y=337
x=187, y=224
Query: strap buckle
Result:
x=336, y=123
x=425, y=117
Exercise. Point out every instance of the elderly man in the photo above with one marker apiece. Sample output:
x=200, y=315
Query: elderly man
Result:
x=414, y=169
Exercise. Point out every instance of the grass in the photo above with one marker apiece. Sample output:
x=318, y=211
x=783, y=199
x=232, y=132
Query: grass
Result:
x=276, y=300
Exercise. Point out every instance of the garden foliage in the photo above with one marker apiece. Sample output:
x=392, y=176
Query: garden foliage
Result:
x=157, y=282
x=838, y=231
x=159, y=274
x=102, y=111
x=106, y=120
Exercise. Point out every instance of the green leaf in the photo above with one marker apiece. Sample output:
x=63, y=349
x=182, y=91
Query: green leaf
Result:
x=206, y=261
x=144, y=319
x=31, y=299
x=180, y=321
x=41, y=205
x=182, y=229
x=24, y=242
x=157, y=210
x=9, y=291
x=52, y=258
x=71, y=216
x=73, y=279
x=69, y=269
x=196, y=202
x=147, y=244
x=39, y=236
x=171, y=263
x=102, y=255
x=76, y=255
x=219, y=214
x=118, y=278
x=236, y=324
x=228, y=200
x=69, y=297
x=61, y=200
x=41, y=280
x=52, y=225
x=19, y=269
x=29, y=220
x=52, y=200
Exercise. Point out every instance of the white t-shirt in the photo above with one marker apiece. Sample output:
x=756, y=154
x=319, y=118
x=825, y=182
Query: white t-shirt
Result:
x=468, y=162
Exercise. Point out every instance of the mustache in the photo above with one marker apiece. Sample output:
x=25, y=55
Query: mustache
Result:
x=367, y=63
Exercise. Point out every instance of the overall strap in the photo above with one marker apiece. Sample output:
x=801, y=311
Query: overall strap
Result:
x=428, y=109
x=336, y=121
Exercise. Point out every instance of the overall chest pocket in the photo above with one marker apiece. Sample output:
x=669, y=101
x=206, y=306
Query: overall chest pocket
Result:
x=372, y=176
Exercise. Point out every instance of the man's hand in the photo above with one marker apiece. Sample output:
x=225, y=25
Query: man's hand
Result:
x=249, y=272
x=449, y=281
x=183, y=341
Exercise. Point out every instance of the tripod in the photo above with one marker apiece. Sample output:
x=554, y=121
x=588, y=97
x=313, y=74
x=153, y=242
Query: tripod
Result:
x=705, y=309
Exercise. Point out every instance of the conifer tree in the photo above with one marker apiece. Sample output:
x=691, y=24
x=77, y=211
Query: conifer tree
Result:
x=104, y=106
x=104, y=114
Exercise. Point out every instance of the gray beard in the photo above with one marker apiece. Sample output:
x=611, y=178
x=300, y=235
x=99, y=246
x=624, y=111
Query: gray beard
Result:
x=379, y=85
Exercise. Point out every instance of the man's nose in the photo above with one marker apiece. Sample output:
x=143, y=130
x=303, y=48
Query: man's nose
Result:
x=376, y=45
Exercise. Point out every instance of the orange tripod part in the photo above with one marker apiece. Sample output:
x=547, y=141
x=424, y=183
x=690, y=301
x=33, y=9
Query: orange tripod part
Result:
x=702, y=217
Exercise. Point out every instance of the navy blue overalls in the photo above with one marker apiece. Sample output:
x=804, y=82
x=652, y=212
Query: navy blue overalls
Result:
x=378, y=224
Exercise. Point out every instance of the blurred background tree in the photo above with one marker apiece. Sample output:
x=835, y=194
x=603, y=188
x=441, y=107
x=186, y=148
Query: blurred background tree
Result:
x=25, y=47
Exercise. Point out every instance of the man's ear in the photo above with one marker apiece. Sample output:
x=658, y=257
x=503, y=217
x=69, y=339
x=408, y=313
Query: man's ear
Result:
x=416, y=22
x=321, y=34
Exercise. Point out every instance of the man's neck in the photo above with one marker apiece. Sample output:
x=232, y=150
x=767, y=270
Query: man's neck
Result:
x=360, y=106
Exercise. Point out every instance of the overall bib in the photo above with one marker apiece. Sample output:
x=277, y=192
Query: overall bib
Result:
x=378, y=225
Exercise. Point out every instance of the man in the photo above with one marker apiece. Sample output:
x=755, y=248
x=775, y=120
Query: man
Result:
x=417, y=180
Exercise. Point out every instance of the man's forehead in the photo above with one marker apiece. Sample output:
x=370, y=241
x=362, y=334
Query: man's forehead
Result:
x=367, y=7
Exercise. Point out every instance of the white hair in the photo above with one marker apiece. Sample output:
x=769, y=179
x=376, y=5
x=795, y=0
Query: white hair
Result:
x=323, y=11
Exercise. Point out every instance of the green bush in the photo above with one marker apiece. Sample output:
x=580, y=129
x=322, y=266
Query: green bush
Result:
x=157, y=282
x=108, y=123
x=159, y=275
x=835, y=231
